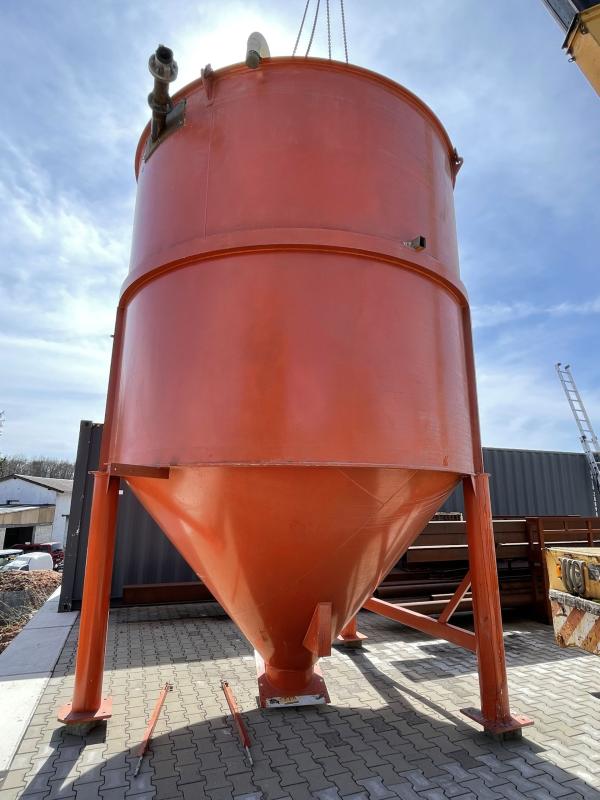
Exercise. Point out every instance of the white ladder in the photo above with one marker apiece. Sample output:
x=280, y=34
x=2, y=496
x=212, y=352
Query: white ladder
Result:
x=587, y=436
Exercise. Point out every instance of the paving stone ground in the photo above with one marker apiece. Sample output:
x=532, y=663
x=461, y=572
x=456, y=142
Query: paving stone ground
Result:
x=393, y=728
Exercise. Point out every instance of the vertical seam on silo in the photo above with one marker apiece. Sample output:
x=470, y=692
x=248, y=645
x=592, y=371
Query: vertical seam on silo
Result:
x=210, y=135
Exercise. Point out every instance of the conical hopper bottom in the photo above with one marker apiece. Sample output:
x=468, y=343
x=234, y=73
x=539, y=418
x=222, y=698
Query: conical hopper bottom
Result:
x=271, y=543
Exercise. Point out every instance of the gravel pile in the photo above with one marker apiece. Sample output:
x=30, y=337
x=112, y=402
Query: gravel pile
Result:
x=21, y=594
x=43, y=580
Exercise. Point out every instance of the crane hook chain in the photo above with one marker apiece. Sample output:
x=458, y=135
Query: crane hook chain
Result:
x=314, y=27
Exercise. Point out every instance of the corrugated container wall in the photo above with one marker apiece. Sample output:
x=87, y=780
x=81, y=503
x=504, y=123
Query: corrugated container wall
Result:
x=534, y=483
x=523, y=483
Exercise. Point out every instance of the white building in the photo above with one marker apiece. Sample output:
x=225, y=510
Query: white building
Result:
x=30, y=491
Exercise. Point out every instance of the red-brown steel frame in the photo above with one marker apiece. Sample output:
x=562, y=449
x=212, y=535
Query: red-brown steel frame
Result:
x=486, y=641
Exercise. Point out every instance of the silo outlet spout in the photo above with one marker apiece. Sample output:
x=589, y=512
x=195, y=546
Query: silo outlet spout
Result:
x=163, y=69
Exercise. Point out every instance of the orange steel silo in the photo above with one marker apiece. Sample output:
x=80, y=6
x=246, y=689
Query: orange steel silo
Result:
x=292, y=393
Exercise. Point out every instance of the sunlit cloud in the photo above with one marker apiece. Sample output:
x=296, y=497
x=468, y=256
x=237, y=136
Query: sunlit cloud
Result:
x=489, y=316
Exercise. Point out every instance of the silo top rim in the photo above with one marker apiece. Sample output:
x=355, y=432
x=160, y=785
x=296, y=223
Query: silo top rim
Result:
x=300, y=61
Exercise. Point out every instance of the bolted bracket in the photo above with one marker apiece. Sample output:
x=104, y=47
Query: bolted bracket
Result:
x=174, y=120
x=418, y=243
x=318, y=635
x=207, y=74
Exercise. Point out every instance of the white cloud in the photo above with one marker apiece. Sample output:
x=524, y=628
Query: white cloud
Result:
x=522, y=405
x=489, y=316
x=519, y=114
x=61, y=269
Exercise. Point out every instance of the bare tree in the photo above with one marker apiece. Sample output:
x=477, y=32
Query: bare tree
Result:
x=41, y=466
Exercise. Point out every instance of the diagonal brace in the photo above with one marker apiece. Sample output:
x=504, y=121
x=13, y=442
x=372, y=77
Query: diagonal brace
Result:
x=422, y=623
x=455, y=600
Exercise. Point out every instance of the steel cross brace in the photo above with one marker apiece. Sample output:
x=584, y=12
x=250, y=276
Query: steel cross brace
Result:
x=487, y=642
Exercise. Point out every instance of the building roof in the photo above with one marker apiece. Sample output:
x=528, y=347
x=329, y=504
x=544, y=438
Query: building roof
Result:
x=16, y=514
x=13, y=508
x=61, y=485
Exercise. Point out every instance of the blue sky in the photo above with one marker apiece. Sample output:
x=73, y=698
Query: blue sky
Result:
x=525, y=120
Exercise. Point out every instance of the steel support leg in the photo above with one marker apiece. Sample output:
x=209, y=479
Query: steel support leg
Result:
x=495, y=713
x=350, y=636
x=88, y=705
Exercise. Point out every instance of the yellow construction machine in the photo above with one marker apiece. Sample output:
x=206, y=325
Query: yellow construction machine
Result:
x=580, y=19
x=574, y=581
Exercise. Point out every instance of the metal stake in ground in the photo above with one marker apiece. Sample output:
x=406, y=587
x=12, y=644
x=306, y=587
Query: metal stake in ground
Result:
x=150, y=727
x=233, y=707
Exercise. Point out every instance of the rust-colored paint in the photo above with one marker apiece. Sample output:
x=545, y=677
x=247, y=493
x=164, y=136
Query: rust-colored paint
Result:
x=237, y=717
x=144, y=744
x=273, y=542
x=87, y=704
x=421, y=622
x=306, y=378
x=318, y=635
x=350, y=636
x=456, y=599
x=495, y=713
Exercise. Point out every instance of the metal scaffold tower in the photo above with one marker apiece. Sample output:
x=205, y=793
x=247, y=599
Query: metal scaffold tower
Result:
x=587, y=436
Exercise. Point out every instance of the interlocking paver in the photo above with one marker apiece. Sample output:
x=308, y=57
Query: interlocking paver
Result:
x=39, y=783
x=393, y=729
x=115, y=778
x=271, y=788
x=288, y=775
x=300, y=792
x=89, y=791
x=27, y=796
x=216, y=779
x=405, y=791
x=142, y=784
x=194, y=791
x=243, y=783
x=16, y=792
x=166, y=768
x=376, y=788
x=15, y=779
x=328, y=794
x=166, y=788
x=280, y=758
x=346, y=784
x=221, y=793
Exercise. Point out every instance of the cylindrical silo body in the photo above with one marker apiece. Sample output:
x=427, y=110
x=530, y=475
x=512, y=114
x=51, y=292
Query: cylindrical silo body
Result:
x=285, y=347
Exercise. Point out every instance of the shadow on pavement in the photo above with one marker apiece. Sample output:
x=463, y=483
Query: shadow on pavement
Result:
x=324, y=752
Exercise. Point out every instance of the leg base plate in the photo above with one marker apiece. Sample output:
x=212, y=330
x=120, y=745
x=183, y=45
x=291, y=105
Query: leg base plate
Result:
x=70, y=717
x=510, y=728
x=350, y=641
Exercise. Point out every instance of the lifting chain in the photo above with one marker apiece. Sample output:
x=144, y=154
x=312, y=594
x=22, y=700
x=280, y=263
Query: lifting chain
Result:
x=314, y=28
x=344, y=29
x=328, y=32
x=301, y=27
